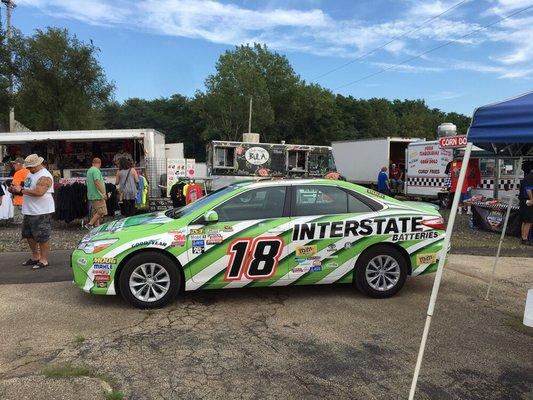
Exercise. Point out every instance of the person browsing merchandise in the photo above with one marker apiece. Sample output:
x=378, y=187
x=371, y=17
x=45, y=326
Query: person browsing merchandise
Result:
x=37, y=209
x=18, y=179
x=96, y=193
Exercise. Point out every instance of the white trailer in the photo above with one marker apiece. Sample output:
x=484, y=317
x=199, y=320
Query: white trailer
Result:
x=426, y=169
x=360, y=160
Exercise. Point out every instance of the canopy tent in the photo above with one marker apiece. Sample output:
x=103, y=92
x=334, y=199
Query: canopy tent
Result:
x=505, y=129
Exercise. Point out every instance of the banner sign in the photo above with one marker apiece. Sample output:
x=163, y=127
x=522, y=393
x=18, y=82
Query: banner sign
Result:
x=452, y=142
x=492, y=220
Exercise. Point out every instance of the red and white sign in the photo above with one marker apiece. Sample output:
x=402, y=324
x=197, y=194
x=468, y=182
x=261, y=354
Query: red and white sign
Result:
x=452, y=142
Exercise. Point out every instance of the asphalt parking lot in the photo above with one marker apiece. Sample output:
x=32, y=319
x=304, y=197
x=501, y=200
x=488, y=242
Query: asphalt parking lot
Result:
x=303, y=342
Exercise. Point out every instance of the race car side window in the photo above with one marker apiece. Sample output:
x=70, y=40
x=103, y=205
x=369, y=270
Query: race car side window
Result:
x=319, y=200
x=326, y=200
x=261, y=203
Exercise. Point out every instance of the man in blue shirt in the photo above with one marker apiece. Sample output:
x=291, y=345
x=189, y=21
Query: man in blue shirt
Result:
x=383, y=181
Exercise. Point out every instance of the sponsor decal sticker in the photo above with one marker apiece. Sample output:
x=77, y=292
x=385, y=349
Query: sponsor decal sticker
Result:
x=101, y=284
x=426, y=258
x=103, y=266
x=332, y=248
x=161, y=244
x=179, y=239
x=104, y=260
x=102, y=278
x=82, y=261
x=331, y=265
x=315, y=268
x=198, y=249
x=198, y=243
x=228, y=228
x=347, y=245
x=354, y=228
x=305, y=251
x=301, y=270
x=375, y=193
x=199, y=231
x=214, y=238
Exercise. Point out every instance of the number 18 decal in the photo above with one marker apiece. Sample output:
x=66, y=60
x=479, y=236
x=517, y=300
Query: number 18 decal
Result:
x=255, y=258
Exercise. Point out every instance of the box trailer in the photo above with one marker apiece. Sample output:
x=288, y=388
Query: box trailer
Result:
x=360, y=160
x=228, y=162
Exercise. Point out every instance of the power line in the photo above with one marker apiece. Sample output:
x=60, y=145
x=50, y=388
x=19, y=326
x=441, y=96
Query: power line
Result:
x=417, y=28
x=434, y=48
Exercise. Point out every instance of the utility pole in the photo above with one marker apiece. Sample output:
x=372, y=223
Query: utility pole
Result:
x=10, y=5
x=250, y=117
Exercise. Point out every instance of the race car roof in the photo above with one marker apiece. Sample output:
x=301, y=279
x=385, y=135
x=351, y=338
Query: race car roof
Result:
x=504, y=128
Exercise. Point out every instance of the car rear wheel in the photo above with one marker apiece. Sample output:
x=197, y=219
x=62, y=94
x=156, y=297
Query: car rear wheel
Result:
x=149, y=280
x=380, y=272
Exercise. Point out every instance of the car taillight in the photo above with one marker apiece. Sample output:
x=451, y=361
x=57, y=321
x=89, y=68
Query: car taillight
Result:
x=434, y=223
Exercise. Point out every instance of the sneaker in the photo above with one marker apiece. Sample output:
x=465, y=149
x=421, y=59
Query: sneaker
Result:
x=526, y=242
x=30, y=262
x=88, y=226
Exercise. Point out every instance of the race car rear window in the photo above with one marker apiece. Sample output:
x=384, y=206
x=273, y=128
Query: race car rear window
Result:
x=325, y=200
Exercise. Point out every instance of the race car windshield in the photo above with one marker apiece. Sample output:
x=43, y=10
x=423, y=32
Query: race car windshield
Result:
x=186, y=210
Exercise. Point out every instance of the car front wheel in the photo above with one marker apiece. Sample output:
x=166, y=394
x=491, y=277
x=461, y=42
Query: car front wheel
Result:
x=380, y=272
x=149, y=280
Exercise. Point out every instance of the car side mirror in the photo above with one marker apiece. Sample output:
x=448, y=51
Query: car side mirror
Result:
x=211, y=217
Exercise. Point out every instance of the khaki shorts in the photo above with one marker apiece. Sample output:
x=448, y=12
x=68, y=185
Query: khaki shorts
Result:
x=99, y=207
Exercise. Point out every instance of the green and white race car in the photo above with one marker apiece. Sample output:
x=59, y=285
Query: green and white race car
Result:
x=266, y=233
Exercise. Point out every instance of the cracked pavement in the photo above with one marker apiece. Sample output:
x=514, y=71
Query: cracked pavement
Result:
x=299, y=342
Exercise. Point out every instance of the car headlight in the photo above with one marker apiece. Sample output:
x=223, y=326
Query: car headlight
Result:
x=96, y=246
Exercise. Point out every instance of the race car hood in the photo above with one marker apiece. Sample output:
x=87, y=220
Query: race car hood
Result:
x=139, y=223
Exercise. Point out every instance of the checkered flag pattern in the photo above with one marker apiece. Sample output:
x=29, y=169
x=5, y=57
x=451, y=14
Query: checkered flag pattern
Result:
x=505, y=184
x=431, y=182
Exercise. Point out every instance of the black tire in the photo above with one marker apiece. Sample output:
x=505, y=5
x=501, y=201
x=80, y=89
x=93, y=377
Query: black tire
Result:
x=157, y=260
x=374, y=254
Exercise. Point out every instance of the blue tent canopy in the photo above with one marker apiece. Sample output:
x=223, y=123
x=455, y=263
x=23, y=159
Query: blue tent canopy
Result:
x=504, y=128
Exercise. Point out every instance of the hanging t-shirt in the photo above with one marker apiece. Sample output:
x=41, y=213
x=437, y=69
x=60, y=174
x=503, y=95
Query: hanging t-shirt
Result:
x=34, y=205
x=472, y=177
x=194, y=192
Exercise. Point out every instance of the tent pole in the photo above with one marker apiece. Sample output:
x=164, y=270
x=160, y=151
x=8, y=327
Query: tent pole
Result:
x=442, y=261
x=502, y=236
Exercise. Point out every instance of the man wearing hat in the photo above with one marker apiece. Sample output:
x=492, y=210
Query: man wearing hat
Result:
x=37, y=208
x=18, y=179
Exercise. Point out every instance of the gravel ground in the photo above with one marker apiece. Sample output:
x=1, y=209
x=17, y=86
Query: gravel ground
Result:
x=464, y=241
x=316, y=342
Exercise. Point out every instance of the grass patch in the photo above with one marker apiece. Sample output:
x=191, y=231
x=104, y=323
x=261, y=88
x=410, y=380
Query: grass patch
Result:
x=79, y=339
x=66, y=371
x=72, y=371
x=114, y=395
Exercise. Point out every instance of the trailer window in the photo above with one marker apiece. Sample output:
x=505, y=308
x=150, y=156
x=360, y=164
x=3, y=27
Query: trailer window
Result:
x=297, y=160
x=224, y=157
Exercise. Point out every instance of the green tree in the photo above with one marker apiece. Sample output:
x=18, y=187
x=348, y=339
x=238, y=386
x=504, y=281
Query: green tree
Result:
x=59, y=82
x=249, y=71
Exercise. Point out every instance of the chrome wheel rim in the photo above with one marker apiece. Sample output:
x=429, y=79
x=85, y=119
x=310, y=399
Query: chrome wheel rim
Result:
x=149, y=282
x=382, y=273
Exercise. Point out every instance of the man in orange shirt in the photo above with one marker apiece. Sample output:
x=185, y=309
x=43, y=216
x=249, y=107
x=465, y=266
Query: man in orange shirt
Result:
x=18, y=180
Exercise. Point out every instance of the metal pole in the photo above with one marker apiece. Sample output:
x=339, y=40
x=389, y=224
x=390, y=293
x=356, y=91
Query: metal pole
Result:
x=10, y=5
x=502, y=236
x=440, y=269
x=250, y=117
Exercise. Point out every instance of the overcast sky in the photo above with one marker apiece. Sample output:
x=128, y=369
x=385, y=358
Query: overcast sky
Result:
x=153, y=48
